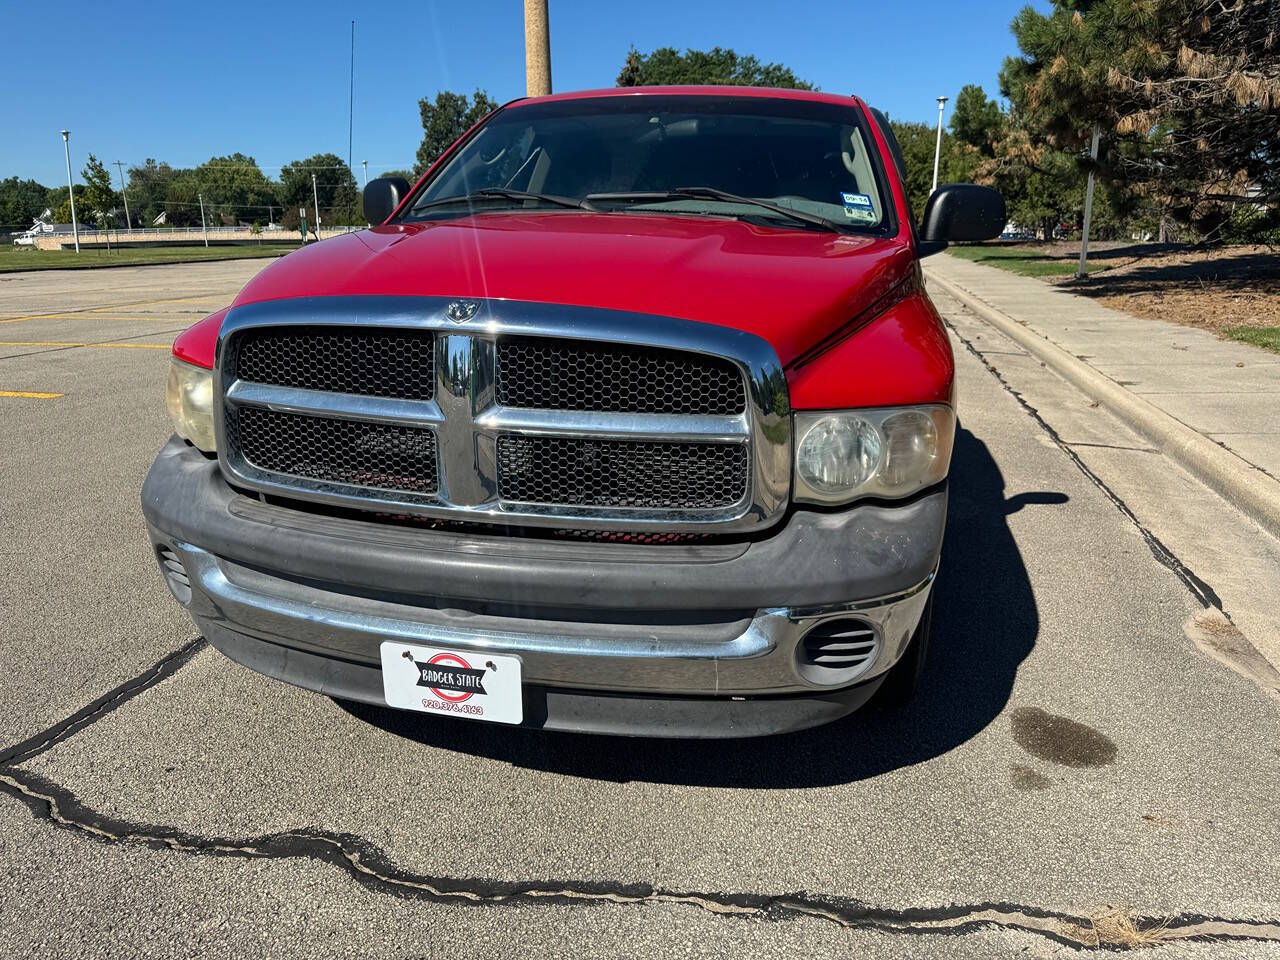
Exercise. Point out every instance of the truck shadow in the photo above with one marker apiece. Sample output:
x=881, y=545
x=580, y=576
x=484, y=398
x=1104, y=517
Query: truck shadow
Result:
x=985, y=624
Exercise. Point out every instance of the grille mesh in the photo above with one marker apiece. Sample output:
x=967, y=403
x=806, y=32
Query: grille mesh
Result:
x=621, y=473
x=377, y=455
x=568, y=375
x=384, y=363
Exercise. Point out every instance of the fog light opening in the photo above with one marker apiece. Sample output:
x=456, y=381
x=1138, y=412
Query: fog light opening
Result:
x=175, y=574
x=838, y=651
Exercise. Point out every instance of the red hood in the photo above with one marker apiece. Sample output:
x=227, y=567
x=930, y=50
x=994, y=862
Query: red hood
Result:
x=791, y=287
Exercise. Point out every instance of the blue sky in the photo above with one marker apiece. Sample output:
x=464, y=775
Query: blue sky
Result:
x=270, y=78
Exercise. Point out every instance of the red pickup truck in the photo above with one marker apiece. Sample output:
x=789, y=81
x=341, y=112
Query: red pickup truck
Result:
x=631, y=416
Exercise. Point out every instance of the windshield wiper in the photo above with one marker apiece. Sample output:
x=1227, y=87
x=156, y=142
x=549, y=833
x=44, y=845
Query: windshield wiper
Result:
x=503, y=193
x=712, y=193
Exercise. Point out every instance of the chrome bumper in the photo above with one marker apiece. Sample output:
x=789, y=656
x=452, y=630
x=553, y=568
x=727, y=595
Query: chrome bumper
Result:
x=752, y=655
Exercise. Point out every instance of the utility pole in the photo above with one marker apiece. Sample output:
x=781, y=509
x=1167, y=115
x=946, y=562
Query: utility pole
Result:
x=937, y=147
x=364, y=165
x=351, y=93
x=66, y=146
x=537, y=48
x=315, y=195
x=1082, y=273
x=128, y=224
x=203, y=226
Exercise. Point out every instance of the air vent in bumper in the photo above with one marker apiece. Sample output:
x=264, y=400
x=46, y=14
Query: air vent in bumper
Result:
x=837, y=651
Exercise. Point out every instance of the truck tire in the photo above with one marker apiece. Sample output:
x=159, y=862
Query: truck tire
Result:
x=904, y=676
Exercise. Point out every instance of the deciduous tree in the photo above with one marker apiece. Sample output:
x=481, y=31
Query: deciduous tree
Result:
x=335, y=186
x=99, y=197
x=235, y=190
x=445, y=120
x=719, y=65
x=21, y=201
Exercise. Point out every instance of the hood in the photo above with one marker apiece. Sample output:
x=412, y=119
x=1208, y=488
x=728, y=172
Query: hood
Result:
x=791, y=287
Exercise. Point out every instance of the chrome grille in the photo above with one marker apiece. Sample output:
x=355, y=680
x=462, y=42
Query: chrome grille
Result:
x=535, y=414
x=551, y=374
x=345, y=452
x=380, y=363
x=621, y=473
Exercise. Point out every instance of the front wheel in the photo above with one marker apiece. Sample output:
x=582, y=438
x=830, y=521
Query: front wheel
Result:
x=904, y=676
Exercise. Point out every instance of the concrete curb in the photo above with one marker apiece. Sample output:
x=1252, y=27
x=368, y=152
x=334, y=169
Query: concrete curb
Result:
x=1247, y=487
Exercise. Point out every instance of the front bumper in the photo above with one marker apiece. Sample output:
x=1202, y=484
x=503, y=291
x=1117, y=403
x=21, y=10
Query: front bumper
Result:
x=697, y=640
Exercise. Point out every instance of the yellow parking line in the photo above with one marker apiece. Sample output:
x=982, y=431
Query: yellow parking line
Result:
x=146, y=303
x=70, y=343
x=107, y=309
x=30, y=394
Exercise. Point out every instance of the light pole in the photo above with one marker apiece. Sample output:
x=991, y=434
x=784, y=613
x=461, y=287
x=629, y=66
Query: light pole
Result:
x=937, y=147
x=1082, y=273
x=203, y=227
x=364, y=165
x=537, y=49
x=315, y=195
x=128, y=224
x=351, y=93
x=75, y=229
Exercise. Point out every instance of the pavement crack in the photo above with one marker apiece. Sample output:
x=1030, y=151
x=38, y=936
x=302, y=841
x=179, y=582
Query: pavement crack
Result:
x=368, y=865
x=1204, y=594
x=99, y=708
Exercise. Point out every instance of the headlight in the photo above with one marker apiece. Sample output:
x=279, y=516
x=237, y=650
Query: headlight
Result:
x=189, y=396
x=890, y=452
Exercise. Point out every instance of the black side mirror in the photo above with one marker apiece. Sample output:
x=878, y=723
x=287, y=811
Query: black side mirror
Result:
x=382, y=196
x=961, y=211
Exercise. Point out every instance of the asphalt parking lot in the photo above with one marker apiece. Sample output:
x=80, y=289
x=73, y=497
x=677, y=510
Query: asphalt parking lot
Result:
x=1075, y=762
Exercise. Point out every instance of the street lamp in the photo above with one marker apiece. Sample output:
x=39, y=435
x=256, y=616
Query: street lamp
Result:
x=66, y=146
x=315, y=195
x=364, y=164
x=937, y=148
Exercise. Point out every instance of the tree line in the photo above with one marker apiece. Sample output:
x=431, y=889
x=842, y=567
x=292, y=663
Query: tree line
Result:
x=1184, y=96
x=233, y=188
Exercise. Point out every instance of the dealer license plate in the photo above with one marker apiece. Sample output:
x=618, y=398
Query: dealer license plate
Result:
x=475, y=686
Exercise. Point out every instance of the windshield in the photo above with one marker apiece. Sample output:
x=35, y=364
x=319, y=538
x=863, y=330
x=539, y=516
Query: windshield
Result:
x=809, y=157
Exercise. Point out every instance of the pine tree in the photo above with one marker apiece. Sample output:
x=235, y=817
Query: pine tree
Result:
x=1186, y=94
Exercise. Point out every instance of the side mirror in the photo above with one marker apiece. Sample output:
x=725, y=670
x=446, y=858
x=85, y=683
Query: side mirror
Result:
x=382, y=196
x=961, y=211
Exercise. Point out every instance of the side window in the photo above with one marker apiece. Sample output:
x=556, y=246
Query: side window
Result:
x=883, y=123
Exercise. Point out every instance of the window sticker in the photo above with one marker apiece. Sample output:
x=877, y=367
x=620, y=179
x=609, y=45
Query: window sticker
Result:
x=858, y=206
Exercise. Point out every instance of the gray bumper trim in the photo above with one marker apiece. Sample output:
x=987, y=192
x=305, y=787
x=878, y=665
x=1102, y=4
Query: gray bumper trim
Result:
x=811, y=560
x=578, y=711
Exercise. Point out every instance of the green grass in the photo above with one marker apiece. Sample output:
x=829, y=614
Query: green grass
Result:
x=1266, y=337
x=16, y=258
x=1023, y=261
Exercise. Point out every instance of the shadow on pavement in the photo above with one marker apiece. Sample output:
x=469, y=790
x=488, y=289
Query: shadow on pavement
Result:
x=985, y=623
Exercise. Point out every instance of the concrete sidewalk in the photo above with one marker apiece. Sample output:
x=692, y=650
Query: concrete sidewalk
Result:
x=1227, y=391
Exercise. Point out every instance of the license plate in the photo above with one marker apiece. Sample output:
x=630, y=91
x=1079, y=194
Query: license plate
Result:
x=475, y=686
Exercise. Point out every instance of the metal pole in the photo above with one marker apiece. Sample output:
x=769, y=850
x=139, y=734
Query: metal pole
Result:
x=364, y=164
x=203, y=226
x=315, y=195
x=1082, y=272
x=66, y=146
x=128, y=224
x=351, y=93
x=537, y=48
x=937, y=147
